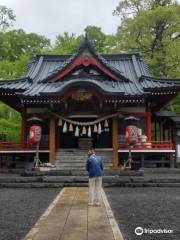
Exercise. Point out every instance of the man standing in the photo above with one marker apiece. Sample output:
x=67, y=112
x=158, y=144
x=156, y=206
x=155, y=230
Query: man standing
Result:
x=94, y=166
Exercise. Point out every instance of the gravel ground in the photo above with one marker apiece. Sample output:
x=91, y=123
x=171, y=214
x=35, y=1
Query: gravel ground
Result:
x=20, y=209
x=151, y=208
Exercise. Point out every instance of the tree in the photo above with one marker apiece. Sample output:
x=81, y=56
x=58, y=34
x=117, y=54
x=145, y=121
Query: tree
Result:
x=7, y=18
x=15, y=43
x=16, y=49
x=104, y=43
x=130, y=8
x=66, y=43
x=153, y=30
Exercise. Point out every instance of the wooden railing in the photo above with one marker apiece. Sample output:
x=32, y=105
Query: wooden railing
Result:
x=154, y=145
x=13, y=146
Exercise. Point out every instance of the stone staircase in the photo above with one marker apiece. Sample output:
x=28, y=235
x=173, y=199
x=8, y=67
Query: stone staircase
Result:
x=75, y=159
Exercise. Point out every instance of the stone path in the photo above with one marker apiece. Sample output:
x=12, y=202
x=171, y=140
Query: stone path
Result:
x=70, y=218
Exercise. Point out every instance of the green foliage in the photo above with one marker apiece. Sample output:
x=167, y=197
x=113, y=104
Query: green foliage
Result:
x=152, y=28
x=12, y=70
x=154, y=33
x=14, y=44
x=10, y=129
x=10, y=123
x=66, y=43
x=104, y=43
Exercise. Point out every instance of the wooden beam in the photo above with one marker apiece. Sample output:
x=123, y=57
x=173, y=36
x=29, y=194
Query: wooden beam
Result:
x=155, y=129
x=115, y=142
x=148, y=126
x=52, y=141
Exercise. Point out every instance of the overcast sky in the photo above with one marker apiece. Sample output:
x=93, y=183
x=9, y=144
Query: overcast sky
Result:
x=53, y=17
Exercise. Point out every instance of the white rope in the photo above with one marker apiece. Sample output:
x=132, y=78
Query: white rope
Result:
x=86, y=123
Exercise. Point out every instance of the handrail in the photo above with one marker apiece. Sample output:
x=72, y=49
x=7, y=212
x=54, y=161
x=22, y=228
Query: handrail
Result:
x=11, y=146
x=154, y=145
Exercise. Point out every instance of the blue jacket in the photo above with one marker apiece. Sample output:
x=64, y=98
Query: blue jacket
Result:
x=94, y=166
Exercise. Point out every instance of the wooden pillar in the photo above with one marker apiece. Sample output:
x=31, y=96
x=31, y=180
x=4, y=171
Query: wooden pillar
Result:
x=169, y=131
x=155, y=129
x=160, y=130
x=23, y=130
x=115, y=141
x=148, y=126
x=52, y=141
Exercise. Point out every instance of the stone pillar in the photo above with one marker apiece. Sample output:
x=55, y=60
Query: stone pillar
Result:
x=23, y=130
x=115, y=142
x=52, y=141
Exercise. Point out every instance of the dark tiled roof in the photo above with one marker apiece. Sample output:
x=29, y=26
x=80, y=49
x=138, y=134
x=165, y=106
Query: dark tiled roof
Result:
x=131, y=66
x=152, y=83
x=134, y=77
x=105, y=86
x=15, y=85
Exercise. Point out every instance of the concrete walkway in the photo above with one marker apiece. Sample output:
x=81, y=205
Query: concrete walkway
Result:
x=70, y=218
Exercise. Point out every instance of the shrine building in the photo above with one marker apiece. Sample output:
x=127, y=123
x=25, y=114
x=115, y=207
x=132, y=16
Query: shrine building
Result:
x=87, y=100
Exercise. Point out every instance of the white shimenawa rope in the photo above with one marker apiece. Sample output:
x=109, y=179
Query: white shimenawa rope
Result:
x=86, y=123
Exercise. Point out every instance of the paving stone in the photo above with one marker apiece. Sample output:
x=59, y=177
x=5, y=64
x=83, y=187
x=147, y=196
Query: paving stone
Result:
x=72, y=219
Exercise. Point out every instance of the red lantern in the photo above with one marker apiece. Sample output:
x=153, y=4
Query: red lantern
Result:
x=35, y=134
x=131, y=134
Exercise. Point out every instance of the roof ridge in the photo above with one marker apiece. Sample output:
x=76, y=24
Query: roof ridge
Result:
x=86, y=44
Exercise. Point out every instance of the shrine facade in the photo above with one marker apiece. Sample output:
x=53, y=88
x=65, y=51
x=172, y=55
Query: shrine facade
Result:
x=86, y=100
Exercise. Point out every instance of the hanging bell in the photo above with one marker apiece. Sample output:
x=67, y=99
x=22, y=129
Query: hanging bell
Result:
x=76, y=132
x=95, y=129
x=99, y=128
x=89, y=131
x=84, y=130
x=70, y=127
x=106, y=124
x=65, y=128
x=60, y=123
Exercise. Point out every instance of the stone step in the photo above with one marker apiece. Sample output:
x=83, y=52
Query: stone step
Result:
x=161, y=170
x=61, y=181
x=106, y=179
x=67, y=159
x=77, y=164
x=59, y=172
x=76, y=161
x=81, y=156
